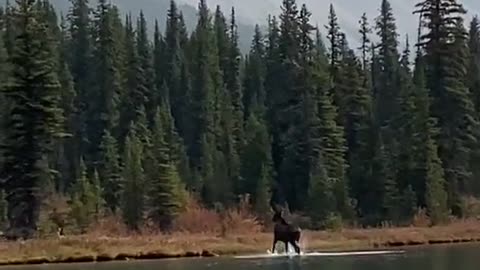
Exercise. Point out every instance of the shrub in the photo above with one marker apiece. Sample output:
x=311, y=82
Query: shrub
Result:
x=109, y=226
x=53, y=214
x=241, y=220
x=333, y=222
x=421, y=218
x=471, y=207
x=197, y=219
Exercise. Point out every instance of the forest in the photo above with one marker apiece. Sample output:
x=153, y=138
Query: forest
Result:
x=117, y=122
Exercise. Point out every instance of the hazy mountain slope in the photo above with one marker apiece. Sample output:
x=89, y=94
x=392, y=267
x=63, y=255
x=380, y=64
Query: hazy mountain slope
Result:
x=348, y=11
x=157, y=9
x=251, y=12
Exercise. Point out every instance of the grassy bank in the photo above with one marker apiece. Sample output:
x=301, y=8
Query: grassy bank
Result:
x=95, y=248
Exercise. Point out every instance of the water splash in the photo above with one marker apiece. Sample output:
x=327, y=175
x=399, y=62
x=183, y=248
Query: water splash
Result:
x=322, y=254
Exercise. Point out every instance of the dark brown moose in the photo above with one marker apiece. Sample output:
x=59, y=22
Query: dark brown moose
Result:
x=285, y=232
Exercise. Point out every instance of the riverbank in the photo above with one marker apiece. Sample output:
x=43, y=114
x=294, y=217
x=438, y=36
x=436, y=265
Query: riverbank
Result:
x=94, y=248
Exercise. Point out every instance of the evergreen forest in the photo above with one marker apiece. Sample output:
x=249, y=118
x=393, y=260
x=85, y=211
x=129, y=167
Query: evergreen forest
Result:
x=120, y=122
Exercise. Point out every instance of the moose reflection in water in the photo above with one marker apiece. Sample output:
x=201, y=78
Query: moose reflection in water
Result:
x=285, y=232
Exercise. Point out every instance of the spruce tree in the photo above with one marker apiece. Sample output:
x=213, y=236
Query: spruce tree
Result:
x=256, y=160
x=254, y=98
x=474, y=88
x=333, y=40
x=35, y=119
x=365, y=32
x=446, y=65
x=176, y=75
x=432, y=186
x=233, y=82
x=3, y=210
x=333, y=149
x=103, y=113
x=110, y=173
x=166, y=194
x=79, y=56
x=145, y=79
x=83, y=200
x=205, y=87
x=133, y=199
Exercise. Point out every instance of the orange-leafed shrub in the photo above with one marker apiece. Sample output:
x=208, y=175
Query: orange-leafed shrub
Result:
x=199, y=219
x=109, y=226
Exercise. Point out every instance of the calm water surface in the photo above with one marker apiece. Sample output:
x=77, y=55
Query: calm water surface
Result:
x=456, y=257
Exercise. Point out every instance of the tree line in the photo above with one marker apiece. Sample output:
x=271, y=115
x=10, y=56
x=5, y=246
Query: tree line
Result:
x=127, y=124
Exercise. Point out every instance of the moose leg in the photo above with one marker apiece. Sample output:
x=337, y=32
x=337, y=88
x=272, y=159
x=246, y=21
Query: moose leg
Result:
x=274, y=244
x=297, y=248
x=286, y=247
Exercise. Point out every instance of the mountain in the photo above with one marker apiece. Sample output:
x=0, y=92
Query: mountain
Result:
x=157, y=10
x=348, y=12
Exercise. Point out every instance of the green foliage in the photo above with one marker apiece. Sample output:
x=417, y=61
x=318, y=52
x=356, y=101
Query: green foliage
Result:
x=84, y=200
x=3, y=210
x=166, y=192
x=35, y=118
x=110, y=173
x=133, y=199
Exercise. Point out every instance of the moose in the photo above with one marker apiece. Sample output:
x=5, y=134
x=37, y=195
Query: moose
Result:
x=284, y=232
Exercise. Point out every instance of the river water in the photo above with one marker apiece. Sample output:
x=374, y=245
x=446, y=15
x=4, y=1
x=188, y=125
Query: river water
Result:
x=449, y=257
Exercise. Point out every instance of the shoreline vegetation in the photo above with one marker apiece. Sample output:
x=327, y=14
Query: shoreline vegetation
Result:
x=94, y=248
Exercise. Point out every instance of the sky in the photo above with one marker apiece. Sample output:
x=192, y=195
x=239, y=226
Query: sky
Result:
x=348, y=12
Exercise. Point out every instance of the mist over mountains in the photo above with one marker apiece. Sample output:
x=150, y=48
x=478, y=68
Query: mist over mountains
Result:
x=251, y=12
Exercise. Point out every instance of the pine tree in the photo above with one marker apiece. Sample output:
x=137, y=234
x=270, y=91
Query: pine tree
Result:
x=4, y=75
x=205, y=88
x=432, y=188
x=133, y=206
x=79, y=56
x=446, y=65
x=97, y=192
x=256, y=160
x=83, y=200
x=177, y=77
x=333, y=147
x=145, y=83
x=321, y=200
x=365, y=31
x=333, y=40
x=103, y=113
x=233, y=83
x=474, y=88
x=387, y=93
x=3, y=210
x=166, y=193
x=35, y=118
x=110, y=172
x=254, y=98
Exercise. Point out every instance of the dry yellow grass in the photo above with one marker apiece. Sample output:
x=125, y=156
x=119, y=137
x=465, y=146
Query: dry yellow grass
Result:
x=94, y=247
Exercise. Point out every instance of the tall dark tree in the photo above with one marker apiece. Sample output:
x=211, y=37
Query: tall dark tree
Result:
x=103, y=113
x=34, y=120
x=333, y=36
x=365, y=31
x=254, y=98
x=146, y=93
x=446, y=53
x=165, y=196
x=79, y=55
x=134, y=196
x=110, y=172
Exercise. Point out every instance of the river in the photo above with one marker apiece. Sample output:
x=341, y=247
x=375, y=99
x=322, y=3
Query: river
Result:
x=448, y=257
